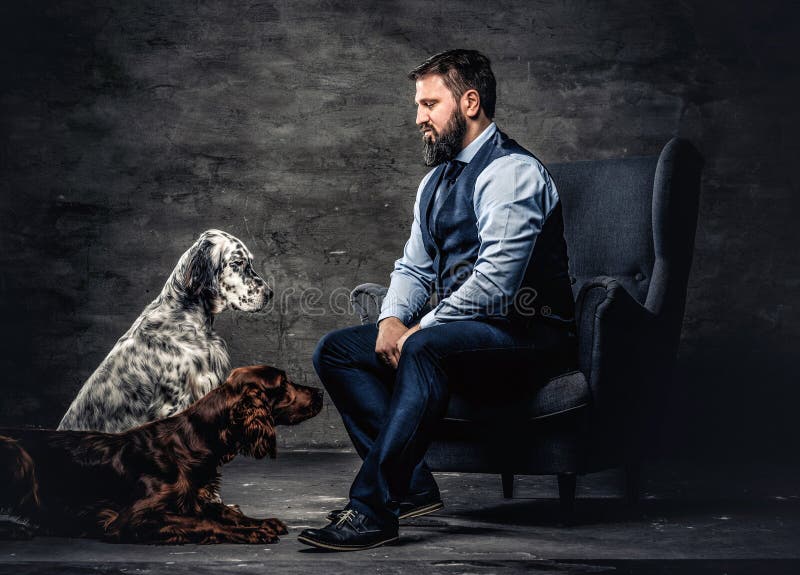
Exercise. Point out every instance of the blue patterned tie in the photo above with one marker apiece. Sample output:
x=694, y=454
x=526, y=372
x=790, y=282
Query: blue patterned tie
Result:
x=451, y=171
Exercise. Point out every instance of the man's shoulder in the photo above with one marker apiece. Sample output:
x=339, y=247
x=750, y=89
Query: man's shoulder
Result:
x=514, y=162
x=511, y=154
x=524, y=172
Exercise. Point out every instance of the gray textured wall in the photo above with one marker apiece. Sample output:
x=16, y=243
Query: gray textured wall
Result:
x=129, y=127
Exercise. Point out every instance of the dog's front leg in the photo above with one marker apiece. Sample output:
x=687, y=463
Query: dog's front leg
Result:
x=224, y=513
x=180, y=529
x=174, y=529
x=211, y=494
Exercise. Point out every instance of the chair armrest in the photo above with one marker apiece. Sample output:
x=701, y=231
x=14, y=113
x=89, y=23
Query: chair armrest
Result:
x=615, y=341
x=366, y=300
x=615, y=302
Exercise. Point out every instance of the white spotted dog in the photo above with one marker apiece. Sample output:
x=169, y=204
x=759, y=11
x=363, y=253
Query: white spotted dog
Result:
x=171, y=357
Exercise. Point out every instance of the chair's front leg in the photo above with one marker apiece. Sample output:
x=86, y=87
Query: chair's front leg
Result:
x=567, y=483
x=508, y=485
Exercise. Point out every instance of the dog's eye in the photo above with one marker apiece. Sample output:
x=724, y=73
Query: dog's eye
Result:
x=237, y=263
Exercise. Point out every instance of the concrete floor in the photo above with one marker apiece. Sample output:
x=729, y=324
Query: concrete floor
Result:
x=708, y=519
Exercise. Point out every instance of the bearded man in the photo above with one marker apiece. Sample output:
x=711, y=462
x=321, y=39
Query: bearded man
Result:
x=487, y=242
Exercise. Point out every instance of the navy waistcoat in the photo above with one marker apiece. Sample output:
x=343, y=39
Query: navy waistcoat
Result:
x=451, y=240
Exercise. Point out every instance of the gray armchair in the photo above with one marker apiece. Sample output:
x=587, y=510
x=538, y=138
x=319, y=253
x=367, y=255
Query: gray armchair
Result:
x=630, y=226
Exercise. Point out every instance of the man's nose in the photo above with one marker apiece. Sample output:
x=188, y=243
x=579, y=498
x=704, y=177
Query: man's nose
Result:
x=422, y=115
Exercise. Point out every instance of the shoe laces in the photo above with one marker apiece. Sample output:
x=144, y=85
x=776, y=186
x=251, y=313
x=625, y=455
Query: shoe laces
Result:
x=345, y=515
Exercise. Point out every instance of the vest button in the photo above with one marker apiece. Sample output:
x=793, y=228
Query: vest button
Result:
x=639, y=277
x=572, y=280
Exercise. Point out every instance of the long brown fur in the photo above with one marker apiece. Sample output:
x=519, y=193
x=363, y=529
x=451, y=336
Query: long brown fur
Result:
x=156, y=483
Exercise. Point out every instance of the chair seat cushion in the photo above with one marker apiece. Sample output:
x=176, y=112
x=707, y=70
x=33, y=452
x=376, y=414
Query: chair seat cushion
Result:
x=562, y=394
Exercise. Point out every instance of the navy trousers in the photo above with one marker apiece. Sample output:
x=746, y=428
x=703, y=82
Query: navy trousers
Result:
x=390, y=415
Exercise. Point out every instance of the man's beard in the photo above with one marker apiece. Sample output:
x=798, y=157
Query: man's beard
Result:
x=447, y=144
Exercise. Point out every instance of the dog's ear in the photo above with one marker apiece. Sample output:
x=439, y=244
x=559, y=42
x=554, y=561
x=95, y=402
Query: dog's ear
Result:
x=266, y=443
x=256, y=388
x=18, y=477
x=253, y=417
x=200, y=277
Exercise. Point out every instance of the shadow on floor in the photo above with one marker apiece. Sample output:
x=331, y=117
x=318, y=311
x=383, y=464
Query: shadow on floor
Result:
x=547, y=513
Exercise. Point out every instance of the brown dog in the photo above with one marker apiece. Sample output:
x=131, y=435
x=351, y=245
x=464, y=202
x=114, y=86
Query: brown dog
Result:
x=155, y=483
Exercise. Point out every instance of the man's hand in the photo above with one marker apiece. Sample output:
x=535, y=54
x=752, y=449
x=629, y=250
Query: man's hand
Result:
x=405, y=336
x=390, y=330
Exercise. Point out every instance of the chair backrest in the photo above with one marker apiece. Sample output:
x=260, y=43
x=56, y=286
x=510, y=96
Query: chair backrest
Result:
x=608, y=225
x=634, y=219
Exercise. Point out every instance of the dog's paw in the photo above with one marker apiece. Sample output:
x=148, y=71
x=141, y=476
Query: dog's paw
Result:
x=276, y=525
x=262, y=535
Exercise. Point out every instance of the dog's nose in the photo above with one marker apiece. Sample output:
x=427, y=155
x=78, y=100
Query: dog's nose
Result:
x=266, y=295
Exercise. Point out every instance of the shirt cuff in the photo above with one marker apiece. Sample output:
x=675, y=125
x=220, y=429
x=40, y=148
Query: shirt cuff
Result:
x=393, y=312
x=429, y=320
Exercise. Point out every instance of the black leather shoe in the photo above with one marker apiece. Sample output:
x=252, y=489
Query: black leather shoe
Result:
x=408, y=509
x=350, y=531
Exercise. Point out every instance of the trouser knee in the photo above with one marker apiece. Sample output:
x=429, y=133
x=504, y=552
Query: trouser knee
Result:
x=418, y=351
x=420, y=368
x=321, y=353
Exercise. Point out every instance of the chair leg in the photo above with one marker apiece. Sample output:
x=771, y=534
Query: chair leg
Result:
x=633, y=482
x=508, y=485
x=567, y=482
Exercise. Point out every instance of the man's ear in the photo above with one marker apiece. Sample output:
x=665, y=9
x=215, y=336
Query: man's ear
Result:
x=471, y=103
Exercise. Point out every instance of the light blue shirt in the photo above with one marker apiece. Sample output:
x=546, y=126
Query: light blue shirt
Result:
x=513, y=196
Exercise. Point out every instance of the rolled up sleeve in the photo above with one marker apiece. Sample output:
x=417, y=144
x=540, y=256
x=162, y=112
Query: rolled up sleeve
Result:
x=513, y=197
x=413, y=275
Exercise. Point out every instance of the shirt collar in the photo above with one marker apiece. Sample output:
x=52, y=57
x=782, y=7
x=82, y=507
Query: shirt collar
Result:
x=469, y=152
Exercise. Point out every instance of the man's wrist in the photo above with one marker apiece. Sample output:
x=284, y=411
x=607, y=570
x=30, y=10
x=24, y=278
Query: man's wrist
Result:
x=413, y=329
x=390, y=318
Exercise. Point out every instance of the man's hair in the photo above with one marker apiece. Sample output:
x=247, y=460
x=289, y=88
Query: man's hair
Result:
x=462, y=70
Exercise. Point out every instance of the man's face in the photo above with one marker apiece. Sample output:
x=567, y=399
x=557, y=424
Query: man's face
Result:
x=440, y=120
